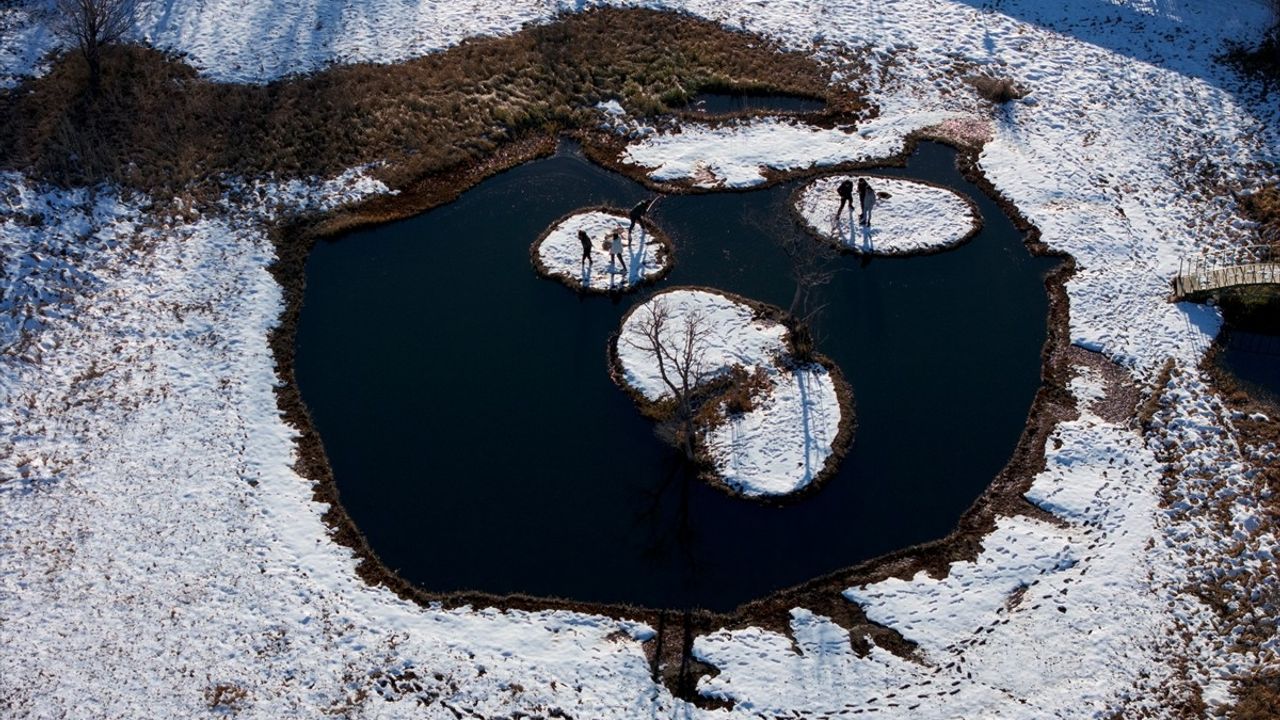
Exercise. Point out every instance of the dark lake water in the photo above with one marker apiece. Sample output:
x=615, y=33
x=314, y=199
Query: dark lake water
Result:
x=725, y=103
x=1255, y=361
x=478, y=442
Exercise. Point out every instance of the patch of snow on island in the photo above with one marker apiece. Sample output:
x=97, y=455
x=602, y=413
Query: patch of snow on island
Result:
x=784, y=442
x=739, y=155
x=915, y=217
x=773, y=449
x=559, y=253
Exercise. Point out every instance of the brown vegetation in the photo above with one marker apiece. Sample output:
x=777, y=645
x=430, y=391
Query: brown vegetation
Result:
x=996, y=90
x=91, y=25
x=1257, y=698
x=157, y=126
x=1263, y=207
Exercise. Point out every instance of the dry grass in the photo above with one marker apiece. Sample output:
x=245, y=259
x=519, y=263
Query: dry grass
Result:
x=738, y=392
x=1257, y=699
x=157, y=126
x=1263, y=207
x=225, y=697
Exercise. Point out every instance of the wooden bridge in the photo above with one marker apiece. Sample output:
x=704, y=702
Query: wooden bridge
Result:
x=1200, y=277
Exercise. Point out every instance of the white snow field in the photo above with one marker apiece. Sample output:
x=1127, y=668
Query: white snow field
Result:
x=915, y=218
x=160, y=557
x=560, y=253
x=774, y=449
x=738, y=154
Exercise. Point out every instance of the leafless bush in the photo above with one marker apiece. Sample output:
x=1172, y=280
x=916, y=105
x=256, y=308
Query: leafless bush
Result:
x=812, y=266
x=996, y=90
x=1263, y=207
x=91, y=24
x=746, y=389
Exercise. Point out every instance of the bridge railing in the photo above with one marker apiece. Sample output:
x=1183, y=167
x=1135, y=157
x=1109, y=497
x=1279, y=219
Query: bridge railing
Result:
x=1224, y=268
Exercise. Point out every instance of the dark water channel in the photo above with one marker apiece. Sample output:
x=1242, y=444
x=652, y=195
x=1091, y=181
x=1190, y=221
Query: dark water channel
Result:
x=1254, y=359
x=478, y=442
x=726, y=103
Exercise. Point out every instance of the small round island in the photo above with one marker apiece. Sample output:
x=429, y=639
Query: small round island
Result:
x=646, y=252
x=908, y=217
x=721, y=371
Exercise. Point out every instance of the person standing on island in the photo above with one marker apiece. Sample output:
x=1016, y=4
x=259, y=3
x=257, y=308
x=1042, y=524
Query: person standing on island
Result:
x=867, y=197
x=586, y=247
x=638, y=212
x=845, y=191
x=615, y=248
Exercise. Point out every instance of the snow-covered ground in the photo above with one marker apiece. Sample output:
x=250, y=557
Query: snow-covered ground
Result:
x=559, y=252
x=908, y=217
x=159, y=555
x=780, y=445
x=738, y=154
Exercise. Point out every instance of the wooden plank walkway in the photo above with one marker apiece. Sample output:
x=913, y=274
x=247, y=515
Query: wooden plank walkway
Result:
x=1196, y=280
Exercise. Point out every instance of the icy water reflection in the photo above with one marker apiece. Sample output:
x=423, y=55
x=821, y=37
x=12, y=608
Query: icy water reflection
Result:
x=478, y=442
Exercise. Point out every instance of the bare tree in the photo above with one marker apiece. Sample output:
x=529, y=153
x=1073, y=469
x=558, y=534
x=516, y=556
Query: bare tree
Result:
x=90, y=25
x=680, y=354
x=812, y=266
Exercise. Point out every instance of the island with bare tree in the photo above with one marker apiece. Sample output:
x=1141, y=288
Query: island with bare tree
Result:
x=766, y=418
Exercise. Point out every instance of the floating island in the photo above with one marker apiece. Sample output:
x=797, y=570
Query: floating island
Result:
x=557, y=253
x=765, y=423
x=909, y=217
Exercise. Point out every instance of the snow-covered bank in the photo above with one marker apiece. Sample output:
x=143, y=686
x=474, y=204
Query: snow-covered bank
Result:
x=558, y=253
x=740, y=154
x=776, y=447
x=157, y=544
x=908, y=217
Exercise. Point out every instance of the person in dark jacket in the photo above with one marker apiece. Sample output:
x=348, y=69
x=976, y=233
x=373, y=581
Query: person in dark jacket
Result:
x=636, y=213
x=867, y=197
x=845, y=191
x=586, y=246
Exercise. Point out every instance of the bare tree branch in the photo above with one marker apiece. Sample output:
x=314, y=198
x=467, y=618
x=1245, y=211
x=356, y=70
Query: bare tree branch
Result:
x=812, y=266
x=90, y=25
x=680, y=355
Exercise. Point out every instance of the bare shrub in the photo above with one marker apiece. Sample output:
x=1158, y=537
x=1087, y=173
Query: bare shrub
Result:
x=746, y=389
x=1263, y=207
x=996, y=90
x=90, y=25
x=812, y=265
